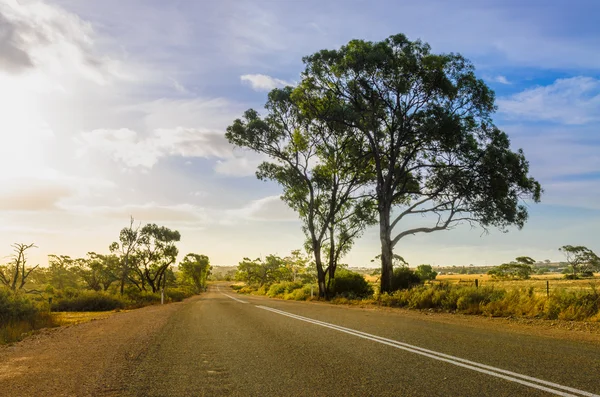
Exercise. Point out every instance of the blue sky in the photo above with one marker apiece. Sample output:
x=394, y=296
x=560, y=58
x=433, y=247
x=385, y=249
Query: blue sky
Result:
x=115, y=108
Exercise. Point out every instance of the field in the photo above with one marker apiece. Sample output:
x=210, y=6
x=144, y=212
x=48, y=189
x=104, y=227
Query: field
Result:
x=539, y=283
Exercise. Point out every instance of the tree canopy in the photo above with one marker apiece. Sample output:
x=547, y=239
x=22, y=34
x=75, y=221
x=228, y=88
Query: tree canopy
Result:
x=424, y=121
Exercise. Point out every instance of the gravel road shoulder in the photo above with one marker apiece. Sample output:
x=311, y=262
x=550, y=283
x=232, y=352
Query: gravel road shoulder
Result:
x=90, y=359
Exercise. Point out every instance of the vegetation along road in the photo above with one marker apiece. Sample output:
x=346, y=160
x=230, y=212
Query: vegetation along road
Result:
x=226, y=344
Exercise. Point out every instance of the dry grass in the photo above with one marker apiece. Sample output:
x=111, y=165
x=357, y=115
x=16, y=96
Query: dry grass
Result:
x=70, y=318
x=537, y=282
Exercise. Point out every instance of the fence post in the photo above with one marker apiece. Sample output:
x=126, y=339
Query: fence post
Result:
x=547, y=288
x=476, y=283
x=162, y=296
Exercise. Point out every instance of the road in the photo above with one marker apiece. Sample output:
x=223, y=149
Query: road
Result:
x=224, y=344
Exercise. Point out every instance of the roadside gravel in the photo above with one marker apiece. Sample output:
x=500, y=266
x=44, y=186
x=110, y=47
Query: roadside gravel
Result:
x=90, y=359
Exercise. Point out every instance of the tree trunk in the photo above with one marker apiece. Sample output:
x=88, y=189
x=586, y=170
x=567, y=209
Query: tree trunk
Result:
x=385, y=236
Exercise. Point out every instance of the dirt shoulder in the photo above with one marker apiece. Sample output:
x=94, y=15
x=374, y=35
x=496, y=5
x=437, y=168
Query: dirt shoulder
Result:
x=88, y=359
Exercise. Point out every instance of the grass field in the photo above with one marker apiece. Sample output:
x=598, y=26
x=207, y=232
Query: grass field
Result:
x=537, y=282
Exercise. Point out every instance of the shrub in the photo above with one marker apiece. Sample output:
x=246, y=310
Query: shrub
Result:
x=404, y=278
x=177, y=294
x=19, y=316
x=136, y=298
x=573, y=305
x=14, y=307
x=88, y=302
x=283, y=288
x=350, y=285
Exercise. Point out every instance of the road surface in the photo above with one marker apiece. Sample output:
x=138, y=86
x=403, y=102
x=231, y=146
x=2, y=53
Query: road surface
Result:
x=224, y=344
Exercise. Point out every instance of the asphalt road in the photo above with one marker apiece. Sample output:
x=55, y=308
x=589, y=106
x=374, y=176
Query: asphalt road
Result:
x=224, y=344
x=227, y=344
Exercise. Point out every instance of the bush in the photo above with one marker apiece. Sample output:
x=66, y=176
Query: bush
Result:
x=350, y=285
x=88, y=302
x=134, y=298
x=177, y=294
x=19, y=316
x=15, y=307
x=300, y=294
x=280, y=289
x=573, y=305
x=404, y=278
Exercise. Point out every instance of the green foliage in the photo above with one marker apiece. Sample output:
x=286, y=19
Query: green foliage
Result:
x=15, y=307
x=195, y=269
x=320, y=168
x=573, y=305
x=581, y=260
x=511, y=271
x=258, y=272
x=283, y=288
x=177, y=294
x=404, y=278
x=350, y=285
x=425, y=273
x=89, y=301
x=425, y=123
x=19, y=316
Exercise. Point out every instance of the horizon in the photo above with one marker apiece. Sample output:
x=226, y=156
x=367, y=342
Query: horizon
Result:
x=106, y=119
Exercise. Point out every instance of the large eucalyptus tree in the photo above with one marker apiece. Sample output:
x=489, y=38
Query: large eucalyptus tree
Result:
x=425, y=122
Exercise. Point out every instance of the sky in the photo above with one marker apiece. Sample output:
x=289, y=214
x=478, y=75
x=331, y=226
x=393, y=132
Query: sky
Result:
x=112, y=109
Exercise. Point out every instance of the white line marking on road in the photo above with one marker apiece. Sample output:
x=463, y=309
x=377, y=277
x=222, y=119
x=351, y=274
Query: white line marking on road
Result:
x=486, y=369
x=230, y=297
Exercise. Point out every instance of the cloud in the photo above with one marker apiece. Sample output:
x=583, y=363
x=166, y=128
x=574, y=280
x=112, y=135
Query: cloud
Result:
x=499, y=79
x=12, y=57
x=42, y=36
x=151, y=212
x=135, y=150
x=240, y=165
x=262, y=82
x=574, y=100
x=34, y=197
x=270, y=209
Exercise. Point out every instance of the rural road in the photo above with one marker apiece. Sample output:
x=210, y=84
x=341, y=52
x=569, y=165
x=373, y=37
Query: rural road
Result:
x=224, y=344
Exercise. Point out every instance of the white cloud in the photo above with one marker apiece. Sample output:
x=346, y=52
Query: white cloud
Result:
x=269, y=208
x=499, y=79
x=262, y=82
x=574, y=100
x=135, y=150
x=240, y=165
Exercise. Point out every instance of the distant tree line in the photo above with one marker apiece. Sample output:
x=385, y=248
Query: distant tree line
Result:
x=142, y=259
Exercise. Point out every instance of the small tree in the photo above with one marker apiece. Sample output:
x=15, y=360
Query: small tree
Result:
x=125, y=249
x=582, y=260
x=195, y=269
x=14, y=275
x=62, y=271
x=321, y=180
x=426, y=272
x=513, y=270
x=155, y=252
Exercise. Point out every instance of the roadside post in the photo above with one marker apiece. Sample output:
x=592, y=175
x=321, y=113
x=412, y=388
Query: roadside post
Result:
x=162, y=296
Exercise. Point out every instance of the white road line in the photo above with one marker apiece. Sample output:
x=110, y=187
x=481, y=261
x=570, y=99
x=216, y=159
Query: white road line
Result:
x=230, y=297
x=486, y=369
